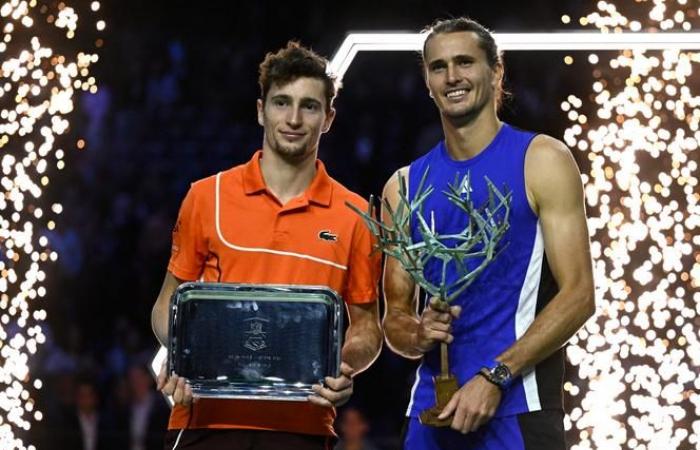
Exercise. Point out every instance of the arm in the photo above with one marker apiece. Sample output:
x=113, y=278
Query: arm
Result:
x=406, y=333
x=186, y=260
x=363, y=341
x=160, y=313
x=556, y=195
x=363, y=338
x=558, y=199
x=171, y=385
x=188, y=253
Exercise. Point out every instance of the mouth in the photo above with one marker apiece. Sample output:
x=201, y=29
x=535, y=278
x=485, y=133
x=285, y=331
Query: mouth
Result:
x=293, y=135
x=456, y=94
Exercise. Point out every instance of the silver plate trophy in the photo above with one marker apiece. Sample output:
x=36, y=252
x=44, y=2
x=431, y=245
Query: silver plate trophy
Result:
x=254, y=341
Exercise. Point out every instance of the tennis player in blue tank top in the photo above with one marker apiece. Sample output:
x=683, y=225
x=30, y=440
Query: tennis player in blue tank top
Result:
x=507, y=330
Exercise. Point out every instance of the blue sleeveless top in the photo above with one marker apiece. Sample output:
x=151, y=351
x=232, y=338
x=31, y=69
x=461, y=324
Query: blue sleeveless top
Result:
x=502, y=302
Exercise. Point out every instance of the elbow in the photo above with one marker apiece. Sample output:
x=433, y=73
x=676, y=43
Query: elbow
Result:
x=587, y=301
x=159, y=323
x=580, y=302
x=388, y=333
x=377, y=334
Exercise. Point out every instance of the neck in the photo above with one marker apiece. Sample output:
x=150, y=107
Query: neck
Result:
x=467, y=137
x=284, y=178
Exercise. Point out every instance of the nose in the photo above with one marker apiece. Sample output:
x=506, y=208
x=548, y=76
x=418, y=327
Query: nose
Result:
x=294, y=117
x=452, y=74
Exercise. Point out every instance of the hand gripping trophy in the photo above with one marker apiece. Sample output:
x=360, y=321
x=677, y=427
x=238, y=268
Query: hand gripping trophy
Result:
x=469, y=252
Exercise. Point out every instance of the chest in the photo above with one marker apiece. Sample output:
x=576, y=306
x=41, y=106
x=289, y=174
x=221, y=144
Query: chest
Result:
x=247, y=229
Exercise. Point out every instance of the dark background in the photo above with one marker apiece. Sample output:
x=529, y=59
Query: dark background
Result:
x=178, y=84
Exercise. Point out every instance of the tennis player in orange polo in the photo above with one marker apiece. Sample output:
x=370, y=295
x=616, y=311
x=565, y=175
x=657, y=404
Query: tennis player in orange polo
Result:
x=279, y=218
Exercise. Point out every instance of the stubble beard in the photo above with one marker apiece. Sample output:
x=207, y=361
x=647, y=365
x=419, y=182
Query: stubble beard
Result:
x=290, y=152
x=469, y=113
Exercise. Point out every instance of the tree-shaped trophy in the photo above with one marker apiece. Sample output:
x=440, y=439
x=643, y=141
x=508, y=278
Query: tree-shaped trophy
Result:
x=469, y=251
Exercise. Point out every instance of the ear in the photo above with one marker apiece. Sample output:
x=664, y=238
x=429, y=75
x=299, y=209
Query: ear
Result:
x=328, y=121
x=425, y=80
x=498, y=73
x=261, y=112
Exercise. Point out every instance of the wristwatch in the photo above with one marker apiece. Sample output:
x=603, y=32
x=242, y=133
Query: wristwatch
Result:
x=498, y=374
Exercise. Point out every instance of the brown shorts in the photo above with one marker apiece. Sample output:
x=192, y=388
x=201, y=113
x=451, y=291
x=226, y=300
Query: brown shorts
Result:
x=211, y=439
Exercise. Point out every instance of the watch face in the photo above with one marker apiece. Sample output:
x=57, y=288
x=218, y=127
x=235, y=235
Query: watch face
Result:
x=501, y=373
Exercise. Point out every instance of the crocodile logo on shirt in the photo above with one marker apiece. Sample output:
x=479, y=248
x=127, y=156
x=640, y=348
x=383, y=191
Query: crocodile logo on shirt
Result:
x=326, y=235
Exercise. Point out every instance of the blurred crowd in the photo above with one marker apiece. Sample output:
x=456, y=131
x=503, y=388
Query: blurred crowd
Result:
x=171, y=109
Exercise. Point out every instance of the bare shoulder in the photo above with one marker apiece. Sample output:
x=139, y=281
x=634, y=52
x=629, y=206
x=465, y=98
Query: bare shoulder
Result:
x=551, y=172
x=549, y=159
x=392, y=185
x=547, y=151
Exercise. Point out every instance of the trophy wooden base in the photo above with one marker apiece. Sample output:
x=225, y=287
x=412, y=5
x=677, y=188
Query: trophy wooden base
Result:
x=445, y=388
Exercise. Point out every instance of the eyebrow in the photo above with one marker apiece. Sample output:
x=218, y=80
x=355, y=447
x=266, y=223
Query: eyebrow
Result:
x=461, y=58
x=309, y=100
x=458, y=58
x=305, y=100
x=280, y=97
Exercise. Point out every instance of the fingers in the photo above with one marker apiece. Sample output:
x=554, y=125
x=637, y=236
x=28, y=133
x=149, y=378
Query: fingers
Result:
x=467, y=421
x=434, y=327
x=450, y=407
x=434, y=336
x=178, y=388
x=319, y=401
x=346, y=370
x=438, y=311
x=437, y=317
x=436, y=304
x=464, y=419
x=439, y=326
x=338, y=384
x=436, y=324
x=440, y=306
x=335, y=391
x=170, y=385
x=328, y=397
x=471, y=407
x=431, y=318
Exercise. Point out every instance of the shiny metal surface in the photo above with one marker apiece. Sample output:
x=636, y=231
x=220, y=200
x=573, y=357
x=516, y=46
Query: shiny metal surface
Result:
x=254, y=341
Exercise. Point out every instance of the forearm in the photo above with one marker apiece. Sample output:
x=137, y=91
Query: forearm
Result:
x=363, y=341
x=551, y=329
x=401, y=330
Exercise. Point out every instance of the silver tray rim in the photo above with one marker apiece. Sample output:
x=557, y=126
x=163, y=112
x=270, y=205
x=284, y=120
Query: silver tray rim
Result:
x=282, y=391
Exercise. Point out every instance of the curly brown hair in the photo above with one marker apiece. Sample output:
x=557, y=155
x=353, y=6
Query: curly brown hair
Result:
x=292, y=62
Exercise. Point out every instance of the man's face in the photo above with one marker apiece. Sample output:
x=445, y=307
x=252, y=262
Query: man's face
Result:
x=458, y=74
x=294, y=116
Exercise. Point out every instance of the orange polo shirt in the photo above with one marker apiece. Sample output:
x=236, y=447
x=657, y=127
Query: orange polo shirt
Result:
x=231, y=228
